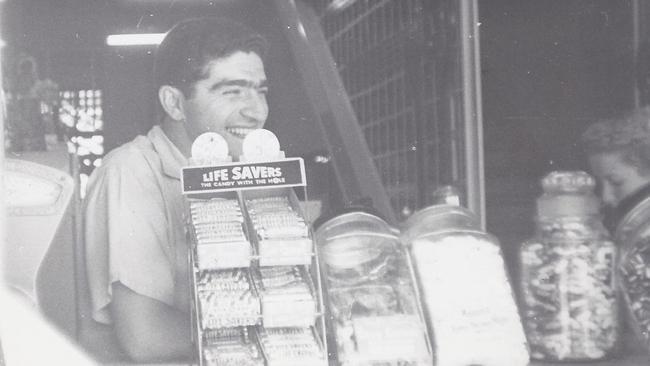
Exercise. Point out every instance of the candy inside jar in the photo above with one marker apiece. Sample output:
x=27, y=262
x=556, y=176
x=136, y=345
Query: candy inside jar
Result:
x=568, y=292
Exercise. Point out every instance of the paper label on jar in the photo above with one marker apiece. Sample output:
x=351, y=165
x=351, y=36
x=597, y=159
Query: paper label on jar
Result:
x=470, y=302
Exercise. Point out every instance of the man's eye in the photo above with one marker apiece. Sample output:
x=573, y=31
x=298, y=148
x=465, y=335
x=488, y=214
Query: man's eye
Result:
x=232, y=91
x=263, y=91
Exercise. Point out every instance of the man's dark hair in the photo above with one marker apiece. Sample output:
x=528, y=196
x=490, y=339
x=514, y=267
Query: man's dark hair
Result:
x=183, y=56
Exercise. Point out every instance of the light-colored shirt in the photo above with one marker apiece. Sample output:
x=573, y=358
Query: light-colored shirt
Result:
x=134, y=225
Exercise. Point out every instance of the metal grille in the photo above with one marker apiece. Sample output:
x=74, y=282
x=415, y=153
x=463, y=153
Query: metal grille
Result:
x=398, y=60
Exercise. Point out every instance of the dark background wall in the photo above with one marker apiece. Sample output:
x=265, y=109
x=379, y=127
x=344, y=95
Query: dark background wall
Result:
x=549, y=69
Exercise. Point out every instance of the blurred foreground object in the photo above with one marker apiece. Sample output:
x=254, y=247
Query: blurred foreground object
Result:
x=28, y=339
x=36, y=198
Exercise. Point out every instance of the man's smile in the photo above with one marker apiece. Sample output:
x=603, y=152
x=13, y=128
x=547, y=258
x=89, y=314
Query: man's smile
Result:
x=239, y=132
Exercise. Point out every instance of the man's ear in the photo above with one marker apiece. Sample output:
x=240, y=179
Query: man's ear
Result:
x=171, y=99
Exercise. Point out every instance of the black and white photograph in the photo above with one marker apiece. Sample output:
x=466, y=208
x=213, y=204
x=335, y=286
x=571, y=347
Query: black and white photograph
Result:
x=325, y=182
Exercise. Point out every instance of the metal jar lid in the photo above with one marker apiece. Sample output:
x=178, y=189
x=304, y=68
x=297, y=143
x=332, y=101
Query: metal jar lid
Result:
x=438, y=219
x=567, y=193
x=353, y=223
x=353, y=238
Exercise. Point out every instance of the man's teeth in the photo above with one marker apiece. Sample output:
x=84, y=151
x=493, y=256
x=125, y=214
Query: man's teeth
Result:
x=239, y=132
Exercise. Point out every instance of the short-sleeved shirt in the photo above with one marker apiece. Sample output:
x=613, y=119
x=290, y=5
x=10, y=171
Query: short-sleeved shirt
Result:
x=134, y=225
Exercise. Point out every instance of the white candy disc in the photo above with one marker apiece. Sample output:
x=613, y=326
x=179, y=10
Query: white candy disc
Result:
x=210, y=145
x=261, y=143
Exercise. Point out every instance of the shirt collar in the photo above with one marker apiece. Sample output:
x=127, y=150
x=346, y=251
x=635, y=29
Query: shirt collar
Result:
x=171, y=158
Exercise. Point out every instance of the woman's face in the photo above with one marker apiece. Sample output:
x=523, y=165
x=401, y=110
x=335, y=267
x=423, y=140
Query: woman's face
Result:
x=618, y=178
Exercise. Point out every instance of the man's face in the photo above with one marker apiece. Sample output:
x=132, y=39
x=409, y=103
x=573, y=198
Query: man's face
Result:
x=230, y=101
x=617, y=177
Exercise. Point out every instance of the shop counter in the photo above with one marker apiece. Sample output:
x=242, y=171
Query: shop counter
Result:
x=629, y=360
x=632, y=354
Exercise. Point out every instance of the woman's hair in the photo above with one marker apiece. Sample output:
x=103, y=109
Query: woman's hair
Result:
x=628, y=135
x=183, y=56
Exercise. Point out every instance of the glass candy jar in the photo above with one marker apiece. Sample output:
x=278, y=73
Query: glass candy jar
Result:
x=569, y=301
x=466, y=292
x=374, y=313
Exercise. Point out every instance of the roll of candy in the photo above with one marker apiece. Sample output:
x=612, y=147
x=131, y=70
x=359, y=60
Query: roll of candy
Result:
x=290, y=347
x=231, y=347
x=215, y=210
x=286, y=296
x=273, y=217
x=226, y=299
x=218, y=225
x=282, y=233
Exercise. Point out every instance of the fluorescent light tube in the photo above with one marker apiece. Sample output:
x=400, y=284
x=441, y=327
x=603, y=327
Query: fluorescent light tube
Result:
x=136, y=39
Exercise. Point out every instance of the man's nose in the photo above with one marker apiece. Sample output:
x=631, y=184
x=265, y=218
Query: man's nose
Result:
x=256, y=107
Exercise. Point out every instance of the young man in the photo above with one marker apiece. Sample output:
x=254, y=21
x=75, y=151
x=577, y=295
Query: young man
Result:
x=210, y=77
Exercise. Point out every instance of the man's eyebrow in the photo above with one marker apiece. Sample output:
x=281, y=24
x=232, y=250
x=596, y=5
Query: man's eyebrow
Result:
x=238, y=82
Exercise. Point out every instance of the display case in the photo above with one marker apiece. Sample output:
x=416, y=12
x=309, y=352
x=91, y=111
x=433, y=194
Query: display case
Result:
x=255, y=277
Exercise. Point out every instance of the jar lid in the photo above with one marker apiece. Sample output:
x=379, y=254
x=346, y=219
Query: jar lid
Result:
x=353, y=238
x=439, y=218
x=353, y=250
x=568, y=193
x=355, y=222
x=568, y=182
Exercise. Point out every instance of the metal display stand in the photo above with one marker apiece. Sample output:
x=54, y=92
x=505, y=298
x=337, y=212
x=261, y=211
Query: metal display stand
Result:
x=274, y=336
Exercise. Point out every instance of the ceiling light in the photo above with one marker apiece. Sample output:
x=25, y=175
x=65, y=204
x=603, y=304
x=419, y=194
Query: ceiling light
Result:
x=137, y=39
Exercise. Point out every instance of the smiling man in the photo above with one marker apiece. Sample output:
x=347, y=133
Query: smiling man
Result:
x=210, y=76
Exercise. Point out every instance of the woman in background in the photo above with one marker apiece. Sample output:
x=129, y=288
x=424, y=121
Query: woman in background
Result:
x=618, y=150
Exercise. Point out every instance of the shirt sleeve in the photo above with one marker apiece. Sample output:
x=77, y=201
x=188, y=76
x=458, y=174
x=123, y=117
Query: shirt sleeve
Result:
x=126, y=237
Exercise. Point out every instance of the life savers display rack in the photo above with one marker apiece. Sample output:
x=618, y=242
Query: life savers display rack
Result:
x=289, y=175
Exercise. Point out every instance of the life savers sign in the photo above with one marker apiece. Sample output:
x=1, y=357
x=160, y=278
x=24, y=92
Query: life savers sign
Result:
x=238, y=176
